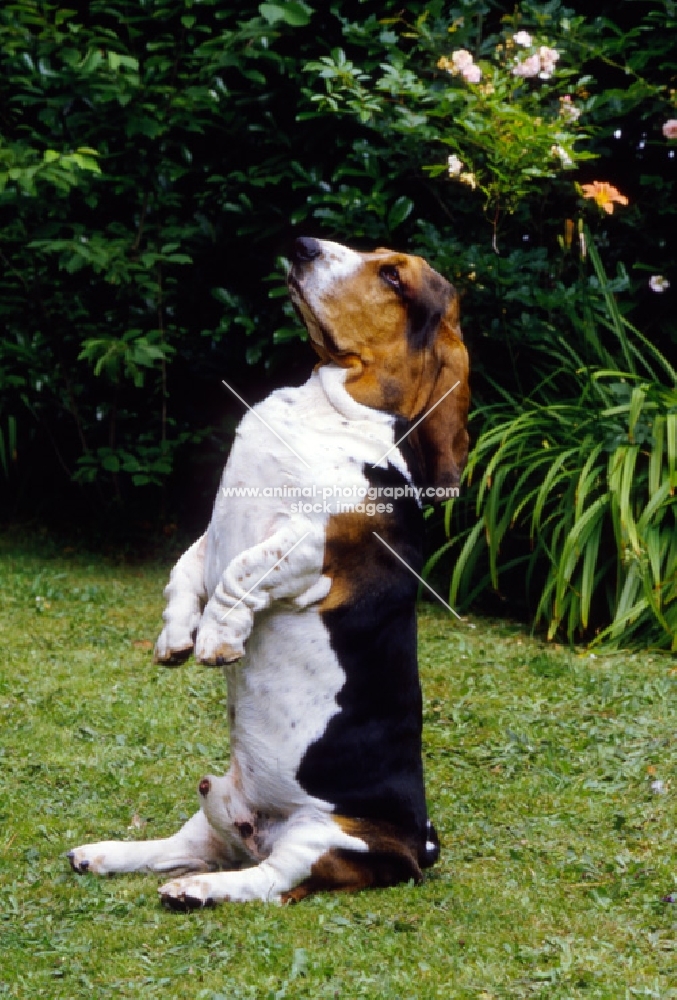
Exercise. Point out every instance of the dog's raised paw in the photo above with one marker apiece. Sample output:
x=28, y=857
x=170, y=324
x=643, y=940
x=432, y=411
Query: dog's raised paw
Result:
x=174, y=645
x=172, y=657
x=212, y=650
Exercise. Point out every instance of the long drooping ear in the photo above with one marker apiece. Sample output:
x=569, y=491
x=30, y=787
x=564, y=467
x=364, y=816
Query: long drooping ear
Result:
x=441, y=439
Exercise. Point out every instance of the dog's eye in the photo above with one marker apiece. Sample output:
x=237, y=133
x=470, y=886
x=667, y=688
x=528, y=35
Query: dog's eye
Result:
x=391, y=276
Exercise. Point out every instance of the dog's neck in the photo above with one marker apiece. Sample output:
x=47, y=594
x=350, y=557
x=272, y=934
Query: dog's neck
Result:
x=332, y=379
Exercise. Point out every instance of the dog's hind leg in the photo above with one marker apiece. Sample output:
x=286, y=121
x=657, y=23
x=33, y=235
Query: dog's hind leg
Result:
x=301, y=843
x=196, y=847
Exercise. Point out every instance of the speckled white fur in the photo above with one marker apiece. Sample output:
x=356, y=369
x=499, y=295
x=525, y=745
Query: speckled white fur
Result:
x=330, y=438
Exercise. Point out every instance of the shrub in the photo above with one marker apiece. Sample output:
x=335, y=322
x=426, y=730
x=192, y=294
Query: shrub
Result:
x=585, y=470
x=157, y=158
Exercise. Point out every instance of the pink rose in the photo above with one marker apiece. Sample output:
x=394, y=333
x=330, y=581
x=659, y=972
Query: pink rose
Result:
x=670, y=129
x=529, y=67
x=548, y=59
x=472, y=74
x=461, y=59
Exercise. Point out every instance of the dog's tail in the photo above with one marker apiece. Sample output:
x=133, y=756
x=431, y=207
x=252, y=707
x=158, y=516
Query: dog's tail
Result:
x=431, y=851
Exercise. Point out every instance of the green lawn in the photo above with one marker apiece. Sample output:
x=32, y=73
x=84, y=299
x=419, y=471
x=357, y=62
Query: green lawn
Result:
x=558, y=854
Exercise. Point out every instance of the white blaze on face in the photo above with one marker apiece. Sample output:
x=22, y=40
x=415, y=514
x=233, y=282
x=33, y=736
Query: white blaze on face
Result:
x=334, y=264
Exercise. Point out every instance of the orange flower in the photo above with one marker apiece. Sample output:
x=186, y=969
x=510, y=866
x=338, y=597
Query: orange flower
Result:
x=604, y=195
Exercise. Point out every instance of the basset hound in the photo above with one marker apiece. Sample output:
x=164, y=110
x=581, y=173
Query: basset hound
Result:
x=303, y=588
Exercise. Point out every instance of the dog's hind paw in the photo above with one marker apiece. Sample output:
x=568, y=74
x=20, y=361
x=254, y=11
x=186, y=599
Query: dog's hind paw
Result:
x=99, y=859
x=78, y=864
x=186, y=894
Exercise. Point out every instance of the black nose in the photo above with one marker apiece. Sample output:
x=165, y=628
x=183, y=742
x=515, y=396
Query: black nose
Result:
x=305, y=248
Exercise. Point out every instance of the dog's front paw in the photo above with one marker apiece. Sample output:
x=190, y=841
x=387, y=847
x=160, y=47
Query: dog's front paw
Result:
x=187, y=893
x=215, y=646
x=174, y=646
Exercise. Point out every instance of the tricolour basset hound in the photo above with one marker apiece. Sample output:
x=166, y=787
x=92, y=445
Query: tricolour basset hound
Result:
x=303, y=588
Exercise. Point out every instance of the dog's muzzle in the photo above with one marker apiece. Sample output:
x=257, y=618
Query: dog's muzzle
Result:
x=305, y=249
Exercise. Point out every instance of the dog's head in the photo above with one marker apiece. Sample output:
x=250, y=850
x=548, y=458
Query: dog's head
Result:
x=393, y=322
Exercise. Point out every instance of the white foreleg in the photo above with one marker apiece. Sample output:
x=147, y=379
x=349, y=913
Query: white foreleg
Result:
x=288, y=565
x=185, y=594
